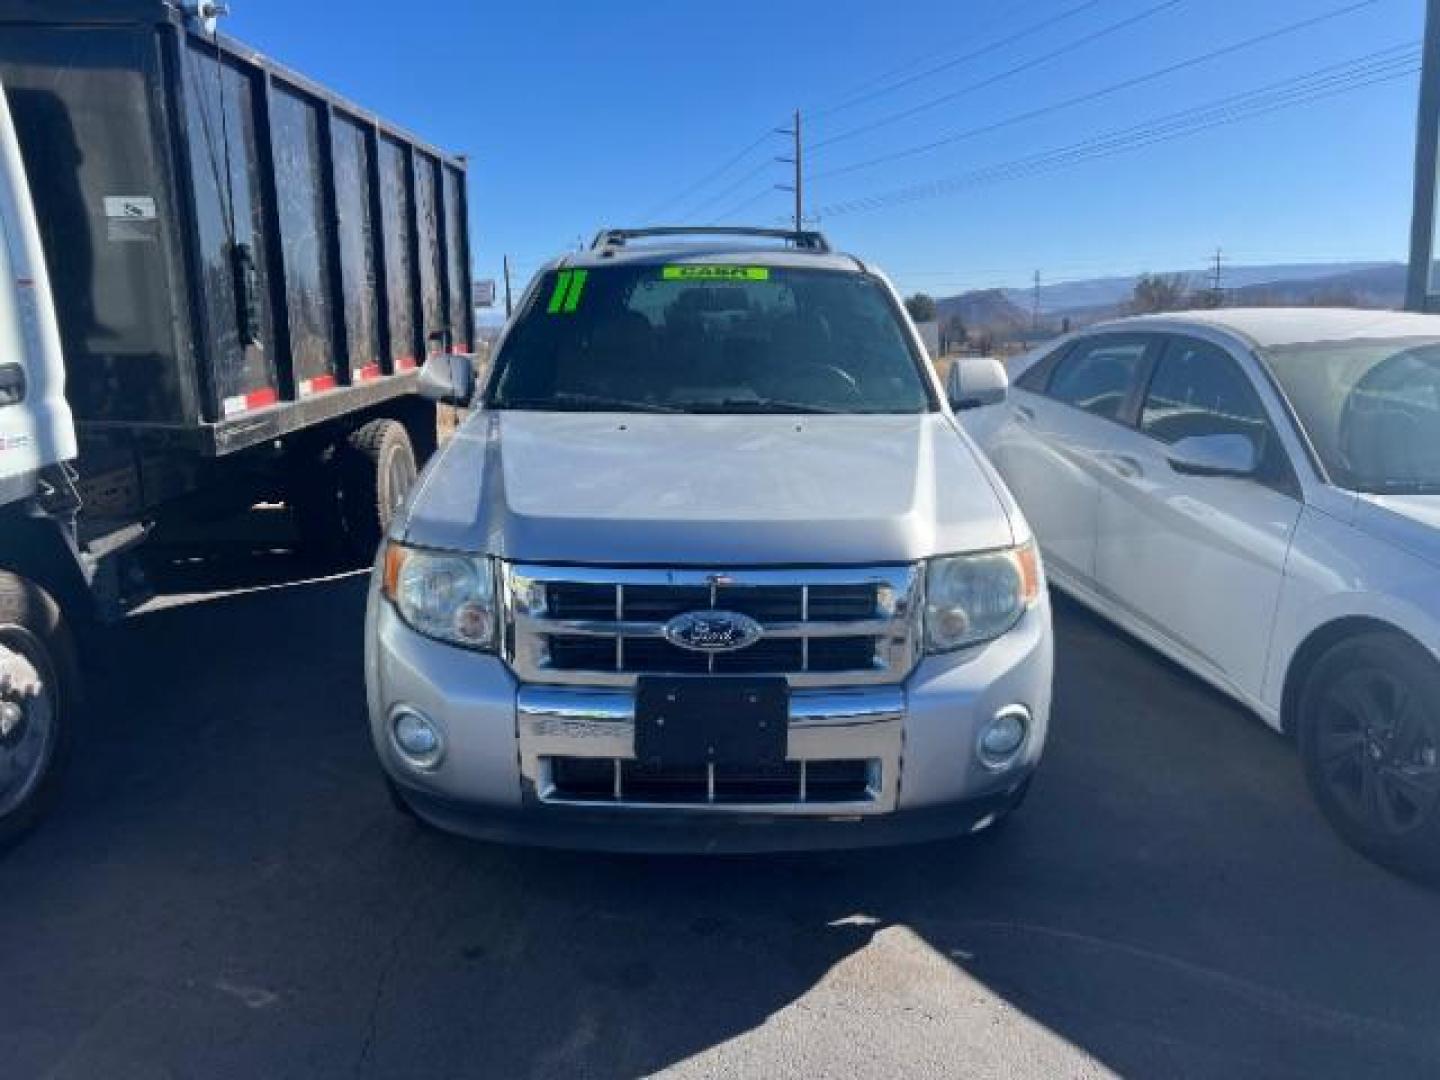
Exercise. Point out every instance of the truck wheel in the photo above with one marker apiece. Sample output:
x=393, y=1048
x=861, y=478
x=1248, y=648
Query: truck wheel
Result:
x=379, y=471
x=1369, y=726
x=39, y=687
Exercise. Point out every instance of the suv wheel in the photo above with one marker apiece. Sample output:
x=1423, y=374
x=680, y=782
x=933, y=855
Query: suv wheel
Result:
x=379, y=471
x=1370, y=737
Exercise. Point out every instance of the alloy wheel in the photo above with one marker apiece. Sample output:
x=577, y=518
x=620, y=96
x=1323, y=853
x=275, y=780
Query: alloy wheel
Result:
x=1378, y=751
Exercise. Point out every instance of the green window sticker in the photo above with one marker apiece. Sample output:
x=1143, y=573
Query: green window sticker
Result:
x=568, y=287
x=715, y=273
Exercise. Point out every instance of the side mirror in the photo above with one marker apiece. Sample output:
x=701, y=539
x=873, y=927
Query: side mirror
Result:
x=976, y=381
x=1215, y=455
x=448, y=378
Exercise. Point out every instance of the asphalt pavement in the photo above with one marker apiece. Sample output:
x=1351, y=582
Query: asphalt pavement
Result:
x=225, y=891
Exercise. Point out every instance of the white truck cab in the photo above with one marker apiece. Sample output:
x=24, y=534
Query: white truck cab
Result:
x=36, y=428
x=37, y=434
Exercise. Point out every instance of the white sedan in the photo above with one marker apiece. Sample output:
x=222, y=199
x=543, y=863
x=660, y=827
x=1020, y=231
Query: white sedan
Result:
x=1257, y=495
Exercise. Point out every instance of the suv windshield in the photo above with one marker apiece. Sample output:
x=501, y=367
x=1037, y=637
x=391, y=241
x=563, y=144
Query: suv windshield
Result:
x=1371, y=409
x=701, y=337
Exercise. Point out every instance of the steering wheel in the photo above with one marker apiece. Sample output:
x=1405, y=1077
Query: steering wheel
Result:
x=839, y=378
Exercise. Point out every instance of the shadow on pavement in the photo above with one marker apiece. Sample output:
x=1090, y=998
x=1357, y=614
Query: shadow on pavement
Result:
x=225, y=891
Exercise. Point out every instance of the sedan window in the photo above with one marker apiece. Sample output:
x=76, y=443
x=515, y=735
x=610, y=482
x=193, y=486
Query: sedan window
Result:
x=1198, y=390
x=1370, y=408
x=1099, y=376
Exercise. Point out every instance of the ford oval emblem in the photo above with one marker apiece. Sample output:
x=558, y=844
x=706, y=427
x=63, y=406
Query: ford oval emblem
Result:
x=713, y=631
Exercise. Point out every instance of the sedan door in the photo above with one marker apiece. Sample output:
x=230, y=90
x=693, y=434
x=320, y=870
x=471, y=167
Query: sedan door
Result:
x=1062, y=415
x=1197, y=560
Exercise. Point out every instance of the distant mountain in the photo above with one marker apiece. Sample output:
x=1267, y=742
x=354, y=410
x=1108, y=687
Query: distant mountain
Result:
x=1381, y=286
x=1006, y=314
x=985, y=311
x=1094, y=293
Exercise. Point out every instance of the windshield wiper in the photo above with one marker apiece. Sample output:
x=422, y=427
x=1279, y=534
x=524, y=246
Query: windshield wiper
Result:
x=591, y=403
x=750, y=405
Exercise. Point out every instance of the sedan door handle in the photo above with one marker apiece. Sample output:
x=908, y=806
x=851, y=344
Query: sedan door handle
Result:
x=1123, y=465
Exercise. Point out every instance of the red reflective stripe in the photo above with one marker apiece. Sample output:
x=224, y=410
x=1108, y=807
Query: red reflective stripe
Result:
x=368, y=372
x=318, y=384
x=255, y=399
x=405, y=363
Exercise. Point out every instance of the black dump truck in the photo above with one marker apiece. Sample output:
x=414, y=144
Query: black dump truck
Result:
x=247, y=273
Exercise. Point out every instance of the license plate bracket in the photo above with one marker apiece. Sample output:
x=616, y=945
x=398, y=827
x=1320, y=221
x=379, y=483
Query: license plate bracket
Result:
x=689, y=722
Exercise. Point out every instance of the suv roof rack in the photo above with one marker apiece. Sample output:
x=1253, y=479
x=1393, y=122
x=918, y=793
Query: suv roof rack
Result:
x=803, y=240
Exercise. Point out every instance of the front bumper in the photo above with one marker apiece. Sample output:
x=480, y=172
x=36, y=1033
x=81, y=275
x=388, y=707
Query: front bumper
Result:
x=918, y=739
x=659, y=831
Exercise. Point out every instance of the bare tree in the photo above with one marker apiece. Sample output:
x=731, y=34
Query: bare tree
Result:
x=1160, y=292
x=920, y=307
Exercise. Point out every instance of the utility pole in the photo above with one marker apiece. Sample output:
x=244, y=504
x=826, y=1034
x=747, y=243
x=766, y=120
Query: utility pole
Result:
x=799, y=176
x=506, y=262
x=1216, y=291
x=798, y=161
x=1035, y=307
x=1419, y=295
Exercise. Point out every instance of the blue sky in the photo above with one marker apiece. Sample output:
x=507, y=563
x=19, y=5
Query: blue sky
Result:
x=580, y=114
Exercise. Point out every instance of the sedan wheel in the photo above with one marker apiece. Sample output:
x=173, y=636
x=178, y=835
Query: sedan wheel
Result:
x=1370, y=734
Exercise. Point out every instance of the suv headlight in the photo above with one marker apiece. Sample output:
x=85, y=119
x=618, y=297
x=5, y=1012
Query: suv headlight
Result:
x=970, y=599
x=441, y=595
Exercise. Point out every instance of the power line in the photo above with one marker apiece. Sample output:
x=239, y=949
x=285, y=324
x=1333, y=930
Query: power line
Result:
x=925, y=106
x=725, y=192
x=1321, y=83
x=841, y=101
x=861, y=98
x=1080, y=99
x=1006, y=277
x=1062, y=160
x=742, y=205
x=709, y=177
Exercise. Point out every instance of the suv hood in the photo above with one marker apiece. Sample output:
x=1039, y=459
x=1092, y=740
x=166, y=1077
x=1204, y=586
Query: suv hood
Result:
x=661, y=489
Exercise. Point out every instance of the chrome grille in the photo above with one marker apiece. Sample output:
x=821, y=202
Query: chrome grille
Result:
x=599, y=627
x=581, y=779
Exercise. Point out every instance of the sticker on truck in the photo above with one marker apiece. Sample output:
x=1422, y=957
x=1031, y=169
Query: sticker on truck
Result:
x=131, y=218
x=715, y=273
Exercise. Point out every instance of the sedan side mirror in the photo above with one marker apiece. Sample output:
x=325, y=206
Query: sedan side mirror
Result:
x=448, y=378
x=976, y=381
x=1215, y=455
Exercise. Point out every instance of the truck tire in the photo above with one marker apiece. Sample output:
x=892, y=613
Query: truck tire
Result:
x=39, y=694
x=1369, y=728
x=378, y=472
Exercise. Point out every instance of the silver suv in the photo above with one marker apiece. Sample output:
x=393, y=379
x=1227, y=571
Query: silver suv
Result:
x=710, y=567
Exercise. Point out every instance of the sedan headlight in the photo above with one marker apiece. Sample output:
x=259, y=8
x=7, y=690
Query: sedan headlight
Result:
x=447, y=597
x=970, y=599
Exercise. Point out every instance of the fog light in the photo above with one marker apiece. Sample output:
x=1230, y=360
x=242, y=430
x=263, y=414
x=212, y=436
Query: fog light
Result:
x=416, y=738
x=1003, y=736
